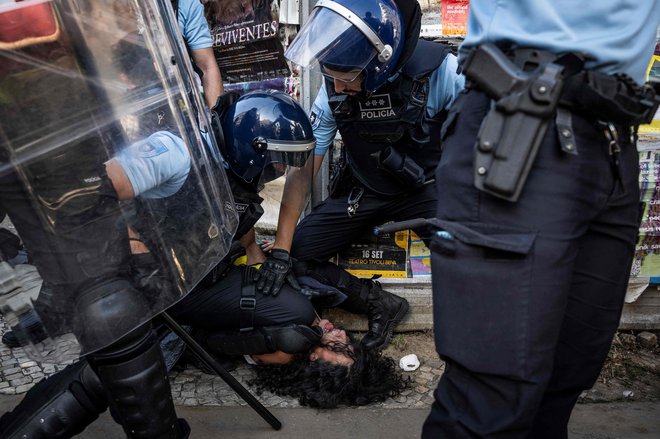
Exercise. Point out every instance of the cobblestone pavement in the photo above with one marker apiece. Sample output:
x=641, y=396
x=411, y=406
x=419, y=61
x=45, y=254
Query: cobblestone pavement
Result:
x=192, y=387
x=629, y=371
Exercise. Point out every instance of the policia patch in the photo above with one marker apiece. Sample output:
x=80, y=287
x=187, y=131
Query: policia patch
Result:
x=376, y=107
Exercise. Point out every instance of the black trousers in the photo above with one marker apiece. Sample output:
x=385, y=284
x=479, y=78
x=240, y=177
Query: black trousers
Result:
x=218, y=306
x=527, y=295
x=328, y=228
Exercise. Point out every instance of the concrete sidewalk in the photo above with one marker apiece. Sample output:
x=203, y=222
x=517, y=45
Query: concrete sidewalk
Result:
x=624, y=420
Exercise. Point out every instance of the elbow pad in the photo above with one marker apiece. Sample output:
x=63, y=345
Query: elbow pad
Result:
x=292, y=339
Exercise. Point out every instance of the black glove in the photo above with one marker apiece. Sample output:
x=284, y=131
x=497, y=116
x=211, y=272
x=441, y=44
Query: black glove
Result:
x=147, y=275
x=274, y=272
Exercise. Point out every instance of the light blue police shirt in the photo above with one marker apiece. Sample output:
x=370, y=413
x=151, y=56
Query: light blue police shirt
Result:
x=618, y=36
x=156, y=166
x=444, y=85
x=193, y=25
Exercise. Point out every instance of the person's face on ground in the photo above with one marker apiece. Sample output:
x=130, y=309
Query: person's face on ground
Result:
x=332, y=337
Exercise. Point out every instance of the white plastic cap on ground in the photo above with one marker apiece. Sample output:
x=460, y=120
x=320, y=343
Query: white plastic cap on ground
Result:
x=409, y=362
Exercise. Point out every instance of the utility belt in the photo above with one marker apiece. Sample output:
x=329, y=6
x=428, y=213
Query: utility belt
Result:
x=610, y=98
x=529, y=88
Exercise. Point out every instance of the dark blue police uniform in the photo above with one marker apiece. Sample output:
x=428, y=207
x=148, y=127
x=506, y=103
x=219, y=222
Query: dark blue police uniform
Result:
x=528, y=289
x=536, y=324
x=389, y=126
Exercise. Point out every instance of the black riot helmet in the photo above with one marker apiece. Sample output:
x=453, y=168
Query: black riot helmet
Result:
x=264, y=128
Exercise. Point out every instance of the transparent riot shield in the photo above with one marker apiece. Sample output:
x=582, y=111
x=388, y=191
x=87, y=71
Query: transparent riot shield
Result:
x=106, y=170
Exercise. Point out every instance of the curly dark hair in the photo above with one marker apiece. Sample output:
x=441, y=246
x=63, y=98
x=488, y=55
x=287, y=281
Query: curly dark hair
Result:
x=371, y=378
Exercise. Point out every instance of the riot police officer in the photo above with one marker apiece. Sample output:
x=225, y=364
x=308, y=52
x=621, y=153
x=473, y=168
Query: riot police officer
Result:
x=63, y=118
x=538, y=211
x=387, y=93
x=196, y=34
x=262, y=134
x=194, y=30
x=265, y=135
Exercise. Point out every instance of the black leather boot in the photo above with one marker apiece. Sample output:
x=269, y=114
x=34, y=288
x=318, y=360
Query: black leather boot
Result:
x=32, y=328
x=384, y=310
x=363, y=296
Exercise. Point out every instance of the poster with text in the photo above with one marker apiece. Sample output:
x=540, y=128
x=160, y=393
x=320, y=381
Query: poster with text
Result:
x=454, y=17
x=246, y=39
x=646, y=262
x=386, y=256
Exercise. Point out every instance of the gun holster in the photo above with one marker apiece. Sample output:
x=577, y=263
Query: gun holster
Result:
x=525, y=101
x=338, y=174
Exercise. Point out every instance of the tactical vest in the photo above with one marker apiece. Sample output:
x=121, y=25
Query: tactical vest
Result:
x=390, y=144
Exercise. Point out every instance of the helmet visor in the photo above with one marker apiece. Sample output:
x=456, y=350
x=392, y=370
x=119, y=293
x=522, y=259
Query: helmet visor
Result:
x=331, y=41
x=276, y=175
x=293, y=153
x=285, y=155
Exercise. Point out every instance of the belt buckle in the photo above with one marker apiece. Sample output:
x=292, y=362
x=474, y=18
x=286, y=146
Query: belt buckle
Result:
x=248, y=303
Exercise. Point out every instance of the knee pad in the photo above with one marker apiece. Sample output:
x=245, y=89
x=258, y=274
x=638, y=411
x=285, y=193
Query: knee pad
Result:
x=324, y=272
x=328, y=273
x=106, y=312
